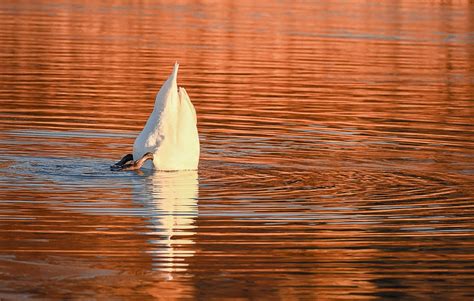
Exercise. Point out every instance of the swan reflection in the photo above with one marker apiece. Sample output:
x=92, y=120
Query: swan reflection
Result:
x=170, y=199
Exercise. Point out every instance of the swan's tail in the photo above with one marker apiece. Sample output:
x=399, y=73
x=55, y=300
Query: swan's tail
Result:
x=174, y=74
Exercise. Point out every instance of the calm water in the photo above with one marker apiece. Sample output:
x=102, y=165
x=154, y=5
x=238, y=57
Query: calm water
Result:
x=337, y=150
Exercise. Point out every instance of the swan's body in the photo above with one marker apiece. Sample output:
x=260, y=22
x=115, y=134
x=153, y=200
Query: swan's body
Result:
x=170, y=133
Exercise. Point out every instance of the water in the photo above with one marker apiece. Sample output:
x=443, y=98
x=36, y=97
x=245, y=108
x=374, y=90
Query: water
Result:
x=337, y=151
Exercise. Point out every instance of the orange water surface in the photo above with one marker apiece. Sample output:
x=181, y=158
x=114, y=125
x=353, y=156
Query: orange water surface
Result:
x=337, y=150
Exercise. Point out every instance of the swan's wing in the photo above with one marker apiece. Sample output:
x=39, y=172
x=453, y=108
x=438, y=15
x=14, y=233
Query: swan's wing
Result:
x=186, y=104
x=160, y=124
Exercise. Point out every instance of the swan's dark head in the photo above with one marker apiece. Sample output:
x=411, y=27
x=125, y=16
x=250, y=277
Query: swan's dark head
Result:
x=133, y=165
x=148, y=156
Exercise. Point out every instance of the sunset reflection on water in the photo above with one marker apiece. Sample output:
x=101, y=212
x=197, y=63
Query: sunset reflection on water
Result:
x=171, y=201
x=337, y=150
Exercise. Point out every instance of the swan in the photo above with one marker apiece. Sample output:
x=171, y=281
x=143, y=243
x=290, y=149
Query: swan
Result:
x=170, y=134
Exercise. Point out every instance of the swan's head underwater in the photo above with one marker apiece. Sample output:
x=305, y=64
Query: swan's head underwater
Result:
x=127, y=162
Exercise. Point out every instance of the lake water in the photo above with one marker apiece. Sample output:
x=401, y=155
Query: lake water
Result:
x=337, y=156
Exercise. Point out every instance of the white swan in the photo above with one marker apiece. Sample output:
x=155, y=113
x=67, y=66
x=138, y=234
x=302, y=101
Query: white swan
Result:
x=170, y=133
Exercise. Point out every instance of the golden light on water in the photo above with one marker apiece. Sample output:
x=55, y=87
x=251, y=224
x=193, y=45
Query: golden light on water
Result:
x=336, y=150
